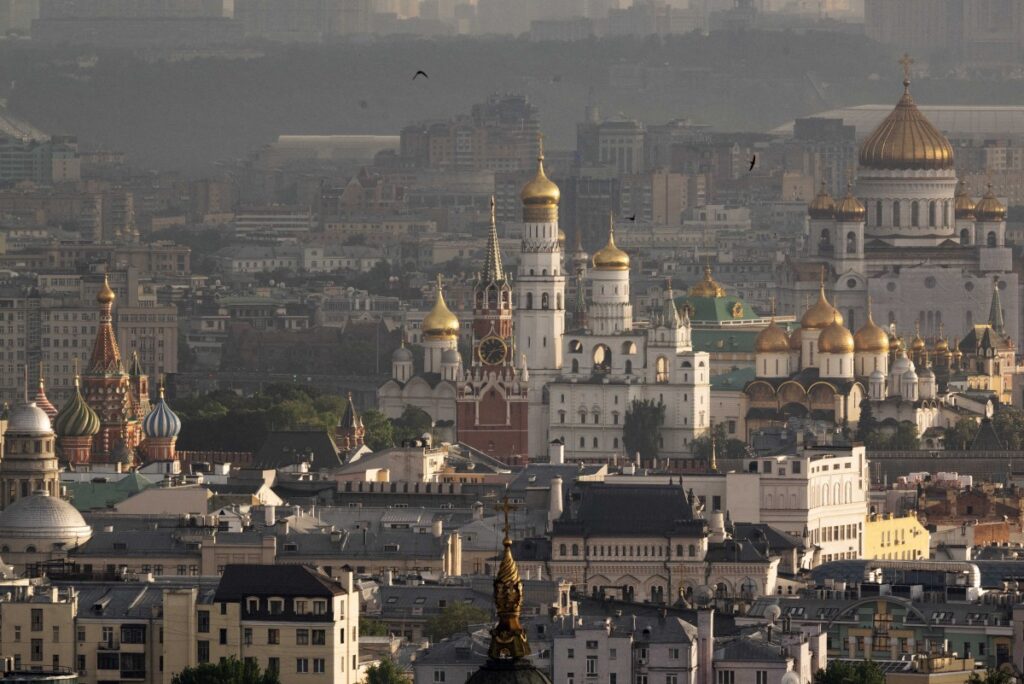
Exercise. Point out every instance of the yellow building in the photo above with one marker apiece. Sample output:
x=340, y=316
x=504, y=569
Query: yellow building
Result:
x=889, y=538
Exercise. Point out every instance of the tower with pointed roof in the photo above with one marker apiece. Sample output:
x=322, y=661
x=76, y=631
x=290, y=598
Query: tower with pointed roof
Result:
x=350, y=432
x=107, y=387
x=908, y=235
x=161, y=427
x=540, y=293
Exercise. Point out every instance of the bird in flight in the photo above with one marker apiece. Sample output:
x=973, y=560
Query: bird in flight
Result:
x=363, y=104
x=631, y=218
x=752, y=162
x=419, y=73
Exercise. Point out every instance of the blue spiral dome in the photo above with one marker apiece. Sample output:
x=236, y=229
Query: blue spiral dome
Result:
x=161, y=422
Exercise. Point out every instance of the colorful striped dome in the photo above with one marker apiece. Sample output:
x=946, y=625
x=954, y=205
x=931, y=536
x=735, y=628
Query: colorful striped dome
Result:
x=76, y=418
x=161, y=422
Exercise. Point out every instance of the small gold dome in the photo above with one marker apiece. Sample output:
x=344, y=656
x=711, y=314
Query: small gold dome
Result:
x=823, y=206
x=835, y=339
x=796, y=339
x=610, y=257
x=850, y=208
x=106, y=295
x=941, y=345
x=821, y=314
x=990, y=208
x=561, y=237
x=871, y=338
x=917, y=344
x=772, y=340
x=440, y=323
x=963, y=206
x=707, y=287
x=906, y=140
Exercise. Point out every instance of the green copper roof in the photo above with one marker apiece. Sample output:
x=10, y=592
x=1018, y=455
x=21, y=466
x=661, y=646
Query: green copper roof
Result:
x=727, y=308
x=723, y=340
x=91, y=496
x=736, y=379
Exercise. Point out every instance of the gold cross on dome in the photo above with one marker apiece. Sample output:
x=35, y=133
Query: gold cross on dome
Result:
x=505, y=508
x=906, y=60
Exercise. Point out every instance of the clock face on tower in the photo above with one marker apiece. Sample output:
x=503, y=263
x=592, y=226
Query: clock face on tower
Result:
x=492, y=350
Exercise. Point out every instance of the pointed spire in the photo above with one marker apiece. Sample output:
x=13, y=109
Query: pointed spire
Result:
x=508, y=638
x=106, y=355
x=493, y=272
x=713, y=463
x=41, y=399
x=995, y=312
x=669, y=313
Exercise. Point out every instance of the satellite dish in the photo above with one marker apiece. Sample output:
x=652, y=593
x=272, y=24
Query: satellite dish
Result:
x=773, y=613
x=703, y=595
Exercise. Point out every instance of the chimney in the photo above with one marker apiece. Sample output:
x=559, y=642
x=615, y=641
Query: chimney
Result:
x=556, y=452
x=555, y=503
x=437, y=528
x=705, y=645
x=717, y=526
x=478, y=511
x=389, y=578
x=270, y=515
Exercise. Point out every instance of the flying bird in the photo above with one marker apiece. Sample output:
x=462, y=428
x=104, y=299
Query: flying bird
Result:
x=752, y=162
x=420, y=73
x=363, y=104
x=631, y=218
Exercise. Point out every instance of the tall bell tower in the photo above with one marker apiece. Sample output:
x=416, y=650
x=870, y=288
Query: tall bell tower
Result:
x=540, y=286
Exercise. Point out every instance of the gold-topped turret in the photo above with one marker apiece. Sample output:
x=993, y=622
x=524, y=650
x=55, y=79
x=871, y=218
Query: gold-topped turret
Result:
x=106, y=294
x=963, y=205
x=540, y=195
x=822, y=206
x=849, y=208
x=989, y=208
x=822, y=313
x=610, y=257
x=906, y=139
x=870, y=337
x=440, y=323
x=835, y=338
x=508, y=638
x=707, y=287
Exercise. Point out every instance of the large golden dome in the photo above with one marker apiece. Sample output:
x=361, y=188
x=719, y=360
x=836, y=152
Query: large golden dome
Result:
x=772, y=340
x=540, y=195
x=610, y=257
x=906, y=140
x=849, y=208
x=963, y=206
x=989, y=208
x=821, y=314
x=870, y=337
x=707, y=287
x=835, y=339
x=796, y=339
x=823, y=206
x=440, y=323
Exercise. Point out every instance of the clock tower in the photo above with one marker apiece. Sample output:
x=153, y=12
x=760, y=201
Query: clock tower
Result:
x=491, y=403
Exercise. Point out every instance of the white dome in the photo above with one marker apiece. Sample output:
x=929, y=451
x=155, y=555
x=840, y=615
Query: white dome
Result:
x=402, y=354
x=910, y=376
x=901, y=365
x=28, y=419
x=43, y=517
x=877, y=375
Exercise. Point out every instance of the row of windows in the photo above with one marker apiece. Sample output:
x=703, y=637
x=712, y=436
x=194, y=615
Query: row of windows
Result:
x=627, y=550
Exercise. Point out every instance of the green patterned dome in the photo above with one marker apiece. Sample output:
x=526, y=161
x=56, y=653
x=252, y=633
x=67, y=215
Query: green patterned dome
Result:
x=76, y=418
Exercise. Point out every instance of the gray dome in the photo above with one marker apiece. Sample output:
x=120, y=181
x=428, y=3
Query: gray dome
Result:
x=43, y=517
x=28, y=419
x=927, y=373
x=877, y=375
x=910, y=376
x=402, y=354
x=450, y=356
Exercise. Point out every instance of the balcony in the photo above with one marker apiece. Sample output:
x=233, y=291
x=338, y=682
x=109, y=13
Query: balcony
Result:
x=133, y=674
x=109, y=645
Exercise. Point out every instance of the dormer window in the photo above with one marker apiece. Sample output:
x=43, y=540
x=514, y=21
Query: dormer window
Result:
x=319, y=607
x=276, y=606
x=252, y=604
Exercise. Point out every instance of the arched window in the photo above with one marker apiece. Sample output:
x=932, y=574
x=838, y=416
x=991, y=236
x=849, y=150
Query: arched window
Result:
x=932, y=212
x=545, y=302
x=529, y=300
x=615, y=442
x=558, y=301
x=878, y=213
x=629, y=366
x=965, y=237
x=602, y=358
x=575, y=549
x=896, y=213
x=661, y=370
x=595, y=442
x=915, y=213
x=693, y=550
x=679, y=550
x=575, y=365
x=561, y=549
x=990, y=239
x=851, y=243
x=583, y=443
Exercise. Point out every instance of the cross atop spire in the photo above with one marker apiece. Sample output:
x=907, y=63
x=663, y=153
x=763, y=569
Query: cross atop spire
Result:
x=505, y=507
x=906, y=60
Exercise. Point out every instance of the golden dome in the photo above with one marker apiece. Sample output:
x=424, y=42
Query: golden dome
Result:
x=963, y=206
x=106, y=295
x=707, y=287
x=989, y=208
x=823, y=206
x=540, y=195
x=440, y=323
x=821, y=314
x=917, y=344
x=796, y=339
x=870, y=337
x=610, y=257
x=850, y=208
x=906, y=140
x=835, y=339
x=941, y=345
x=772, y=340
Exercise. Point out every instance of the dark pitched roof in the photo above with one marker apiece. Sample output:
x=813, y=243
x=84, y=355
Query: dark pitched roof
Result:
x=987, y=439
x=633, y=510
x=765, y=538
x=288, y=447
x=239, y=581
x=732, y=551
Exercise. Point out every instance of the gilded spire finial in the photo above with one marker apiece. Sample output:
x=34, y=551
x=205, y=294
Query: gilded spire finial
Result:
x=540, y=146
x=161, y=386
x=508, y=638
x=42, y=380
x=713, y=464
x=906, y=60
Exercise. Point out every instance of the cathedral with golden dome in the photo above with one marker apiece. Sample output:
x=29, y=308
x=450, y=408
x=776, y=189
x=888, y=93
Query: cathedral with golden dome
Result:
x=908, y=237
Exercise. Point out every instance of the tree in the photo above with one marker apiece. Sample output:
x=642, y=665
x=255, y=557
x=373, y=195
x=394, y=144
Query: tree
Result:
x=641, y=430
x=725, y=446
x=905, y=438
x=868, y=424
x=412, y=424
x=960, y=436
x=229, y=671
x=991, y=676
x=1009, y=425
x=370, y=627
x=380, y=433
x=385, y=672
x=846, y=672
x=454, y=619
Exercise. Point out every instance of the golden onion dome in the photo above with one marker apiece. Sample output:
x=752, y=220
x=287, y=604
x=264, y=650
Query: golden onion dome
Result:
x=963, y=205
x=540, y=191
x=941, y=345
x=561, y=237
x=989, y=208
x=850, y=208
x=106, y=295
x=871, y=338
x=821, y=314
x=835, y=339
x=796, y=339
x=610, y=257
x=772, y=340
x=906, y=140
x=917, y=344
x=440, y=323
x=822, y=206
x=707, y=287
